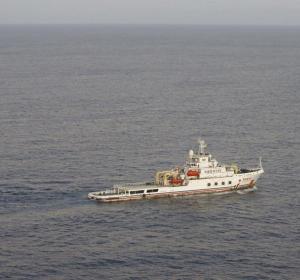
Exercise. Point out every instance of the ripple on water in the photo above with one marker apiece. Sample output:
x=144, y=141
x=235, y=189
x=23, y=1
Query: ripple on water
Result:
x=74, y=121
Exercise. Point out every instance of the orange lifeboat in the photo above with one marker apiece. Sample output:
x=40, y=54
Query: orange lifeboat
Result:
x=176, y=181
x=193, y=173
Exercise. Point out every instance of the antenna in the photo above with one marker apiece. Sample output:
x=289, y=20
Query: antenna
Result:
x=202, y=146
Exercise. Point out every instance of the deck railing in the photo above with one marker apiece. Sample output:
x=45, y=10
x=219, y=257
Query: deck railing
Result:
x=139, y=184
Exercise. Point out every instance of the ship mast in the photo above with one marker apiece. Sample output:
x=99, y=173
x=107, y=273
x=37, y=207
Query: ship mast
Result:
x=202, y=146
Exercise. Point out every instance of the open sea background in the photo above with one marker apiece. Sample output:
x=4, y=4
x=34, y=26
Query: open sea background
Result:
x=86, y=107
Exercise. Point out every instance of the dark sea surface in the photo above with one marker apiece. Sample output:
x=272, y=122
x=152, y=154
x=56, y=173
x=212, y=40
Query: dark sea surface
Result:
x=86, y=107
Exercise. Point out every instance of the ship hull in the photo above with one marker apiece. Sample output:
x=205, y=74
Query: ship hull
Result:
x=195, y=187
x=173, y=194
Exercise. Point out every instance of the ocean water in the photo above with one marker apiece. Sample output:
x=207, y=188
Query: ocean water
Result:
x=86, y=107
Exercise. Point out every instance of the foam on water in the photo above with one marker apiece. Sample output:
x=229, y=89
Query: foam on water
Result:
x=247, y=190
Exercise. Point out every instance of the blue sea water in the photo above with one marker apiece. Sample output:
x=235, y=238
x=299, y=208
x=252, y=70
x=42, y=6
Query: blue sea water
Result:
x=86, y=107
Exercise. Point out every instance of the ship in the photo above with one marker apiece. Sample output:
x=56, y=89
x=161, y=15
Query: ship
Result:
x=201, y=174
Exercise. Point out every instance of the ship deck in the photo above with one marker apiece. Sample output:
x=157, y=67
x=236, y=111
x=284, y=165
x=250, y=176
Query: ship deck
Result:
x=135, y=186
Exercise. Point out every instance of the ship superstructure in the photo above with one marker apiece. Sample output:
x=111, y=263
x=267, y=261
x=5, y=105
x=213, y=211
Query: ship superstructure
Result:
x=201, y=174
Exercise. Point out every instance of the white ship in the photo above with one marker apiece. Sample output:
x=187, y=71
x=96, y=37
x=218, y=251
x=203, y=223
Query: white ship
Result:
x=201, y=174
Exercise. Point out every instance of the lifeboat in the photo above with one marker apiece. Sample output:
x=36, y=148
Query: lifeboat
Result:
x=176, y=181
x=193, y=173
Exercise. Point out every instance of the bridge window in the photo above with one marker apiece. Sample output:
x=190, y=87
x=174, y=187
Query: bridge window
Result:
x=223, y=183
x=216, y=183
x=208, y=184
x=229, y=182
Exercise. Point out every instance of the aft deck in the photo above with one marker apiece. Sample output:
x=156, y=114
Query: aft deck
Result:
x=129, y=188
x=133, y=186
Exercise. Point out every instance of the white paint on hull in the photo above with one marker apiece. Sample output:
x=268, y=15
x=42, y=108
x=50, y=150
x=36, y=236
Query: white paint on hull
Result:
x=195, y=187
x=201, y=174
